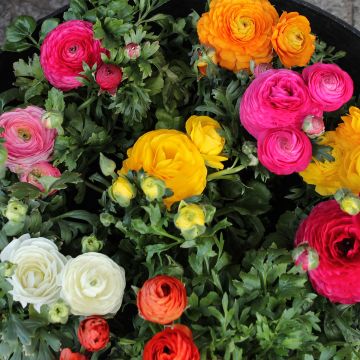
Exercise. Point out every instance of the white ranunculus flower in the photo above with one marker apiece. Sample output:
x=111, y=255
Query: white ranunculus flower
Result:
x=38, y=266
x=93, y=284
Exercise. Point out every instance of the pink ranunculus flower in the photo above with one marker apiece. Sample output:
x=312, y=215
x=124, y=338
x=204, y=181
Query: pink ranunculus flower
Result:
x=65, y=49
x=284, y=151
x=109, y=77
x=26, y=139
x=329, y=85
x=36, y=171
x=276, y=98
x=335, y=236
x=313, y=126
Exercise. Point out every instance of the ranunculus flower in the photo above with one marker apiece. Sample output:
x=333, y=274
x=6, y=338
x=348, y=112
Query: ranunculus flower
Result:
x=292, y=39
x=313, y=126
x=67, y=354
x=26, y=138
x=132, y=51
x=171, y=156
x=276, y=98
x=36, y=171
x=329, y=85
x=239, y=31
x=65, y=49
x=94, y=333
x=284, y=151
x=92, y=283
x=172, y=343
x=38, y=265
x=335, y=236
x=205, y=134
x=162, y=299
x=109, y=77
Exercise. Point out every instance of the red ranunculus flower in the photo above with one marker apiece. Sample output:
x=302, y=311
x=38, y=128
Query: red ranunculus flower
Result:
x=335, y=236
x=67, y=354
x=162, y=299
x=94, y=333
x=172, y=344
x=109, y=77
x=65, y=49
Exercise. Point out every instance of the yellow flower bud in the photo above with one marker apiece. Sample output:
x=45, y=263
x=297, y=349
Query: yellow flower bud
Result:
x=122, y=191
x=190, y=220
x=16, y=211
x=58, y=313
x=205, y=134
x=154, y=189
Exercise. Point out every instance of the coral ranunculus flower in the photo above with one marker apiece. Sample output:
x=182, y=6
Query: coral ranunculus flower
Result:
x=239, y=31
x=335, y=236
x=67, y=354
x=162, y=299
x=171, y=156
x=94, y=333
x=292, y=40
x=172, y=343
x=205, y=133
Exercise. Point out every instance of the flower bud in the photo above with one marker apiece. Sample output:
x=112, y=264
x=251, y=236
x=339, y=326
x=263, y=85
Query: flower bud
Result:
x=132, y=51
x=205, y=59
x=53, y=120
x=313, y=126
x=306, y=257
x=109, y=77
x=122, y=191
x=261, y=68
x=107, y=166
x=107, y=219
x=7, y=268
x=58, y=313
x=154, y=189
x=91, y=244
x=190, y=220
x=94, y=333
x=16, y=211
x=67, y=354
x=350, y=204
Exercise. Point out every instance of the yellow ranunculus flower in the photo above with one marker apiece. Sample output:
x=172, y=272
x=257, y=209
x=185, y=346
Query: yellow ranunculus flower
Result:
x=190, y=220
x=171, y=156
x=325, y=175
x=204, y=132
x=122, y=191
x=349, y=170
x=348, y=132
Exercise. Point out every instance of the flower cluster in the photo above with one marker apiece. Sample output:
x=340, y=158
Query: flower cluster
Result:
x=279, y=104
x=243, y=31
x=162, y=300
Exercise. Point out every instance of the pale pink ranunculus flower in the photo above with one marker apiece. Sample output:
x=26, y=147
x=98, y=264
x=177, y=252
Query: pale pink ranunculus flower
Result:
x=27, y=141
x=64, y=51
x=36, y=171
x=284, y=151
x=329, y=85
x=276, y=98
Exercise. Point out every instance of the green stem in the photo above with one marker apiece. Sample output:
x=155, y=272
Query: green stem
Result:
x=223, y=174
x=33, y=41
x=87, y=103
x=94, y=187
x=166, y=234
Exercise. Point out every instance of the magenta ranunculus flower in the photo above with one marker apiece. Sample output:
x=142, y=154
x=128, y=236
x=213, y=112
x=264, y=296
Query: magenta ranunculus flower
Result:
x=65, y=49
x=276, y=98
x=335, y=236
x=36, y=171
x=109, y=77
x=26, y=138
x=329, y=85
x=284, y=151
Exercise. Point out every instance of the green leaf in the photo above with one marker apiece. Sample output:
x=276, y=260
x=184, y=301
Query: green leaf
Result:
x=47, y=26
x=22, y=190
x=20, y=28
x=55, y=101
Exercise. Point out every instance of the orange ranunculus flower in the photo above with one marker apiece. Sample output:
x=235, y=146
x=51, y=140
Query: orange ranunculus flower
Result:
x=171, y=156
x=292, y=40
x=172, y=343
x=239, y=31
x=162, y=299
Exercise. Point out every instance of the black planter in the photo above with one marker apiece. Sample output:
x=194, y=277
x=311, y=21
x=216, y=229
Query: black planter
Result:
x=327, y=27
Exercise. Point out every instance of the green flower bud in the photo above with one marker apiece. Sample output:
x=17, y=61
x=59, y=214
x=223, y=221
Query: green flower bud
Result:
x=16, y=211
x=154, y=189
x=58, y=313
x=190, y=220
x=91, y=244
x=53, y=120
x=107, y=219
x=7, y=268
x=107, y=166
x=350, y=204
x=122, y=191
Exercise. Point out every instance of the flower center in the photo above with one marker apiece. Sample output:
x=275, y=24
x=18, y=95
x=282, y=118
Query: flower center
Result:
x=166, y=350
x=345, y=246
x=165, y=289
x=24, y=134
x=73, y=49
x=243, y=28
x=296, y=39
